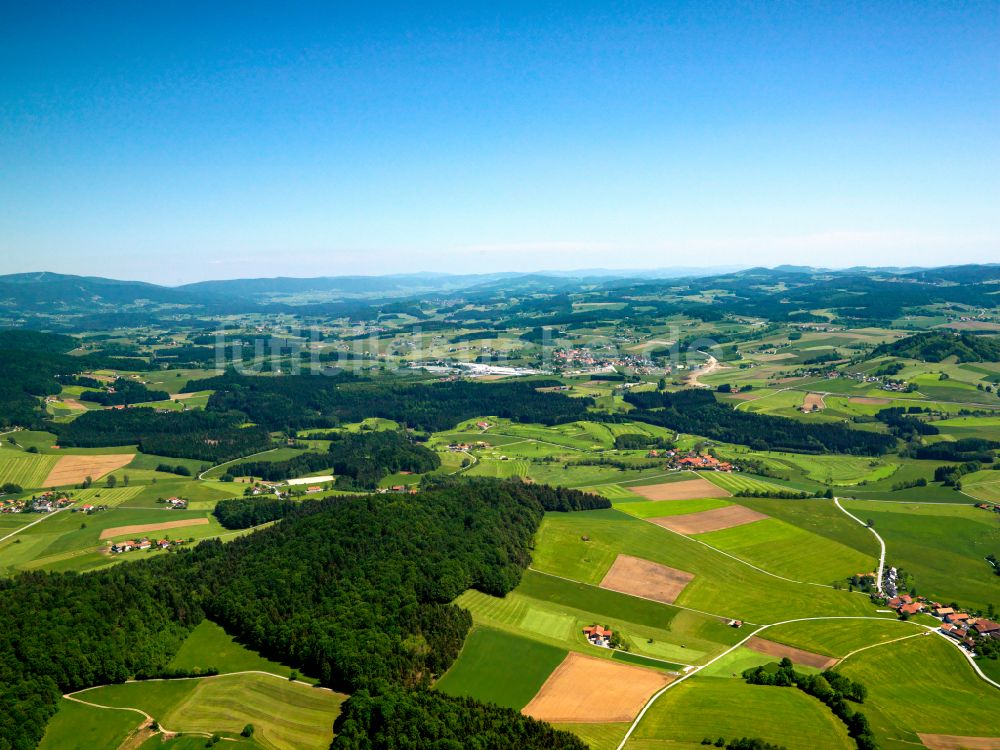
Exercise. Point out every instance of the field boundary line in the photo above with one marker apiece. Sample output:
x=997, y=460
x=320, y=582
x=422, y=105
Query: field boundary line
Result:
x=724, y=618
x=842, y=659
x=881, y=559
x=742, y=561
x=201, y=476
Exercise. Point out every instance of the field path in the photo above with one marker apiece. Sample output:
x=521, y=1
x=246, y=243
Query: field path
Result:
x=29, y=525
x=929, y=628
x=232, y=461
x=163, y=729
x=881, y=557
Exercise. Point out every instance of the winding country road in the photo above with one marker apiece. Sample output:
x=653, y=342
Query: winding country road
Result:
x=881, y=557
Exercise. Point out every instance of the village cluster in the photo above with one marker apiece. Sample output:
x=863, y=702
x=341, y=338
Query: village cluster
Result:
x=142, y=544
x=46, y=502
x=961, y=626
x=692, y=461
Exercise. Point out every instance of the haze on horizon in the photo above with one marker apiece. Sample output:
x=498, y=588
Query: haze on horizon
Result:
x=247, y=140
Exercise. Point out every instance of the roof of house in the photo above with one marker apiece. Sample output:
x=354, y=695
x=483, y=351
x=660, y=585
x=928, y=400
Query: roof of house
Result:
x=986, y=626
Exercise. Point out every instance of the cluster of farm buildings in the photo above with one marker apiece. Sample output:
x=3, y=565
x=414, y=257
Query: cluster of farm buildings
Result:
x=129, y=545
x=692, y=461
x=43, y=503
x=956, y=624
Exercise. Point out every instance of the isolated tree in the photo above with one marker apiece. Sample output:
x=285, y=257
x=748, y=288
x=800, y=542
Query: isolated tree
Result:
x=112, y=481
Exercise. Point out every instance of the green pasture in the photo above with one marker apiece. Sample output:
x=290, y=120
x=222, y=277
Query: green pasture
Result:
x=661, y=508
x=597, y=736
x=722, y=585
x=736, y=483
x=787, y=550
x=210, y=647
x=923, y=685
x=79, y=727
x=820, y=517
x=26, y=469
x=497, y=666
x=714, y=707
x=838, y=638
x=555, y=611
x=942, y=546
x=285, y=714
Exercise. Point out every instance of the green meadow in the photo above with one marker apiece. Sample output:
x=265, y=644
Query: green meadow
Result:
x=942, y=546
x=715, y=707
x=25, y=469
x=838, y=638
x=79, y=727
x=497, y=666
x=210, y=647
x=923, y=685
x=789, y=551
x=286, y=715
x=722, y=585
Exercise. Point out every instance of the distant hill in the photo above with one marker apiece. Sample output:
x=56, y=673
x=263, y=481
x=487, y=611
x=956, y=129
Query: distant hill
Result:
x=937, y=346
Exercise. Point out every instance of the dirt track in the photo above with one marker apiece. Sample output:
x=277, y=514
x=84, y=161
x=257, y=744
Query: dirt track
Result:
x=74, y=469
x=633, y=575
x=689, y=489
x=955, y=742
x=797, y=655
x=588, y=690
x=709, y=520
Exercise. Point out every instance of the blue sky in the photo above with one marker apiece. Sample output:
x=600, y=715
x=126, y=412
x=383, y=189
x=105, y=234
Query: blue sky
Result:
x=206, y=140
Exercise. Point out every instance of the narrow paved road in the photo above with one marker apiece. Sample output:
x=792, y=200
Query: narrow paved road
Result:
x=881, y=557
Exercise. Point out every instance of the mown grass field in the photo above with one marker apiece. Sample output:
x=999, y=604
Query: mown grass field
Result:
x=923, y=685
x=942, y=546
x=210, y=647
x=79, y=727
x=839, y=637
x=721, y=585
x=715, y=707
x=285, y=715
x=736, y=483
x=497, y=666
x=817, y=516
x=787, y=550
x=25, y=469
x=555, y=610
x=660, y=508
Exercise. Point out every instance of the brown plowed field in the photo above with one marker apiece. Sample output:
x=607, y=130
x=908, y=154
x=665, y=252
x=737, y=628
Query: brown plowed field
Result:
x=588, y=690
x=633, y=575
x=797, y=655
x=955, y=742
x=689, y=489
x=74, y=469
x=709, y=520
x=142, y=528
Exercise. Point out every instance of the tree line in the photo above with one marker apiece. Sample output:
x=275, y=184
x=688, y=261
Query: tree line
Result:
x=308, y=401
x=697, y=412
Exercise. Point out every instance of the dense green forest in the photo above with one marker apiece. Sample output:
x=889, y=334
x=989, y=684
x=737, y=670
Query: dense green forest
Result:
x=354, y=590
x=434, y=721
x=124, y=391
x=936, y=346
x=359, y=459
x=698, y=413
x=31, y=364
x=302, y=401
x=206, y=436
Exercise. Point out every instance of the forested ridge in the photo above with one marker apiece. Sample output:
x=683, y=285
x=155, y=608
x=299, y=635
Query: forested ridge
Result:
x=698, y=413
x=354, y=590
x=358, y=459
x=206, y=436
x=304, y=401
x=936, y=346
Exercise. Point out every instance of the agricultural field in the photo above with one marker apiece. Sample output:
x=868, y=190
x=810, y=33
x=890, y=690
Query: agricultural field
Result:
x=942, y=546
x=787, y=550
x=286, y=715
x=486, y=669
x=28, y=470
x=905, y=698
x=703, y=707
x=722, y=585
